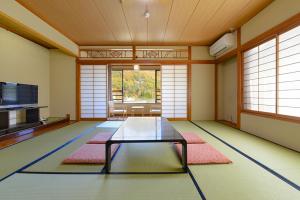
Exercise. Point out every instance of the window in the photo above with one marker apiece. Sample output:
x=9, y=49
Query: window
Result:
x=117, y=85
x=136, y=86
x=272, y=78
x=93, y=91
x=158, y=86
x=139, y=86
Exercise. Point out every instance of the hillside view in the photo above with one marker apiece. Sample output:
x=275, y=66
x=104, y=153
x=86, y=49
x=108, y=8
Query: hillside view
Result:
x=138, y=86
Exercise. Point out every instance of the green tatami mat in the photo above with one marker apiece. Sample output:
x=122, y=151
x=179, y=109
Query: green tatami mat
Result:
x=53, y=163
x=99, y=187
x=280, y=159
x=242, y=179
x=14, y=157
x=146, y=157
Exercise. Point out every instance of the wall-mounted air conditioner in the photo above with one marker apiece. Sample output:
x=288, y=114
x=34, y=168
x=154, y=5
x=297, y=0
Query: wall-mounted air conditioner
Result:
x=225, y=42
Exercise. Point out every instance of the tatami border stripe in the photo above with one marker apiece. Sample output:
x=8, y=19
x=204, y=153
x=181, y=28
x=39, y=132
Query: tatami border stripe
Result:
x=294, y=185
x=196, y=184
x=51, y=152
x=98, y=173
x=61, y=173
x=145, y=173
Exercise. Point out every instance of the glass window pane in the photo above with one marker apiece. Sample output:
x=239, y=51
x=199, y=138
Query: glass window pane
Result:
x=139, y=86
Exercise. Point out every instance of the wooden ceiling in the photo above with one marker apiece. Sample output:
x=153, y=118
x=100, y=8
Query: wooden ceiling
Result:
x=122, y=22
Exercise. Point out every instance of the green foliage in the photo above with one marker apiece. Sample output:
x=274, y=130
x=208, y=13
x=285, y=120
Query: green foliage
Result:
x=116, y=78
x=137, y=85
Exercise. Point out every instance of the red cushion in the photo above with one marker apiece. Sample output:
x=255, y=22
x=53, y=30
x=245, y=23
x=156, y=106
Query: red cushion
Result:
x=100, y=138
x=89, y=154
x=192, y=138
x=203, y=154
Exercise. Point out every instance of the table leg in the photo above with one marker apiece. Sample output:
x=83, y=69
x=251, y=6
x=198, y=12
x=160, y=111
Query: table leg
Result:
x=184, y=156
x=107, y=157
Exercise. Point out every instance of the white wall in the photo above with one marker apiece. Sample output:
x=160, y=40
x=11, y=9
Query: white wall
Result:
x=62, y=84
x=201, y=53
x=281, y=132
x=227, y=90
x=203, y=88
x=26, y=62
x=203, y=91
x=277, y=12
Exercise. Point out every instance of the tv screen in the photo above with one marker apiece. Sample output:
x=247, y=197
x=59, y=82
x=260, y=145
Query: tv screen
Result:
x=18, y=94
x=27, y=94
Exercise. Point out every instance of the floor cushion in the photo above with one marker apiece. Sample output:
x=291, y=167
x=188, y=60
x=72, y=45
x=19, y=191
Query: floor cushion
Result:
x=203, y=154
x=90, y=154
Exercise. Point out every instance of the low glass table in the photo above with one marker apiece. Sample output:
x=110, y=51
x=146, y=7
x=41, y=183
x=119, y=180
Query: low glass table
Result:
x=146, y=130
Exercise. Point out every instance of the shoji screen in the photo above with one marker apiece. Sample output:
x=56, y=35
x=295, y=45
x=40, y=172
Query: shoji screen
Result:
x=289, y=73
x=174, y=91
x=93, y=91
x=260, y=78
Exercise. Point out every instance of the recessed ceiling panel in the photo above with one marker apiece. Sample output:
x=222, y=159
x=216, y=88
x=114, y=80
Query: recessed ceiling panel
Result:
x=122, y=22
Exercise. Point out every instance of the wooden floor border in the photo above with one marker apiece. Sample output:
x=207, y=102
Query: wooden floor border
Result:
x=21, y=136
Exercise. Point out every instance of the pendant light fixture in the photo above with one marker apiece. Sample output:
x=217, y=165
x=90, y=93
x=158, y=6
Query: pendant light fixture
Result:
x=136, y=67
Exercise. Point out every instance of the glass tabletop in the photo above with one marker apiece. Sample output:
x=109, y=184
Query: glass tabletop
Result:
x=147, y=129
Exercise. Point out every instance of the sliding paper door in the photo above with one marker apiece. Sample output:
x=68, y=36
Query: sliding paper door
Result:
x=174, y=91
x=93, y=91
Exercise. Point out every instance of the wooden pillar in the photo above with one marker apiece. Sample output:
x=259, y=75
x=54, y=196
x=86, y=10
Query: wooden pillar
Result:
x=189, y=85
x=133, y=52
x=216, y=92
x=77, y=90
x=239, y=78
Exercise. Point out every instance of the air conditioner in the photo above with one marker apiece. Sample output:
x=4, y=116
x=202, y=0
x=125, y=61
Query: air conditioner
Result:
x=224, y=43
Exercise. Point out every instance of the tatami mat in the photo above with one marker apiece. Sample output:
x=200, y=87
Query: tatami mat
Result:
x=14, y=157
x=276, y=157
x=53, y=163
x=146, y=157
x=133, y=157
x=242, y=179
x=98, y=187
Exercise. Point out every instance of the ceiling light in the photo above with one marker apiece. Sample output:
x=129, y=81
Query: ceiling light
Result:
x=136, y=67
x=147, y=14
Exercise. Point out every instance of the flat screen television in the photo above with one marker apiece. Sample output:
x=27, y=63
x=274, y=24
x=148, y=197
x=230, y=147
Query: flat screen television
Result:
x=14, y=94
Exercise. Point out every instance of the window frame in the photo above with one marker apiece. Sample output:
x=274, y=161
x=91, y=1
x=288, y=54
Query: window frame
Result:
x=155, y=90
x=122, y=85
x=253, y=45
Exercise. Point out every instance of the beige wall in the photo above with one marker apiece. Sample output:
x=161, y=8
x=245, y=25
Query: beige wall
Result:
x=275, y=13
x=281, y=132
x=62, y=84
x=203, y=91
x=227, y=90
x=23, y=61
x=24, y=18
x=201, y=53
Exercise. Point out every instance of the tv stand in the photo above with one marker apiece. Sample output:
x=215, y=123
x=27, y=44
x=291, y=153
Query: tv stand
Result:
x=32, y=119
